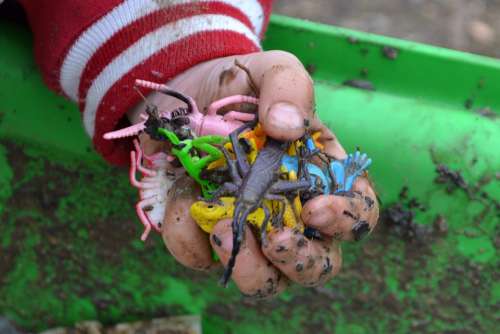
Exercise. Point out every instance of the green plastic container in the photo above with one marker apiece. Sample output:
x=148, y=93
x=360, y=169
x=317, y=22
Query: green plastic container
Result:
x=67, y=254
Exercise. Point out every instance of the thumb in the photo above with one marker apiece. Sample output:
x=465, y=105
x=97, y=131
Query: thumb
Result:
x=286, y=94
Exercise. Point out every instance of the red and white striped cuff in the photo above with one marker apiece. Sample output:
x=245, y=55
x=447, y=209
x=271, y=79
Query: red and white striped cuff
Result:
x=150, y=40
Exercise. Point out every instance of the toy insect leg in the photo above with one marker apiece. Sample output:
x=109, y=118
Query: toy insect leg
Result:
x=348, y=170
x=283, y=186
x=133, y=171
x=169, y=135
x=238, y=116
x=241, y=225
x=143, y=217
x=170, y=92
x=238, y=226
x=215, y=106
x=241, y=157
x=327, y=160
x=263, y=227
x=355, y=164
x=231, y=165
x=138, y=160
x=303, y=172
x=304, y=156
x=226, y=189
x=133, y=177
x=213, y=154
x=127, y=132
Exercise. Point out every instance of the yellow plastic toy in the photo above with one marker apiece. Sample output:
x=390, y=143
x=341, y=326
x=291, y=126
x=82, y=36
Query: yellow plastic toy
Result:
x=206, y=215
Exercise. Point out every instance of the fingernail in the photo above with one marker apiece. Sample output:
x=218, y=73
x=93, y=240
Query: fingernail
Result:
x=285, y=115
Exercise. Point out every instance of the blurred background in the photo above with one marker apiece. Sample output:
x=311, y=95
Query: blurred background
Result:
x=468, y=25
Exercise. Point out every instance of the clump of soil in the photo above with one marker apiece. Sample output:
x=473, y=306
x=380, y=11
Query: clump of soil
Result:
x=452, y=179
x=400, y=219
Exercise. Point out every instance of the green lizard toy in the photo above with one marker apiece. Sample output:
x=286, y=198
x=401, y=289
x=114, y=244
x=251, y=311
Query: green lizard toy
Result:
x=193, y=163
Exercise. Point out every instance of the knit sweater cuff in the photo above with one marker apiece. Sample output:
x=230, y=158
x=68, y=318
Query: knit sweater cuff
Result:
x=150, y=40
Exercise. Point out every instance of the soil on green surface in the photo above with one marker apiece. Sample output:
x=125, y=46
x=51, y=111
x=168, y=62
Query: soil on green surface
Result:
x=70, y=250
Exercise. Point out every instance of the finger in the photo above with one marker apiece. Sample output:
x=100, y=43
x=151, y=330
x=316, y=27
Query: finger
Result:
x=332, y=146
x=182, y=236
x=363, y=186
x=211, y=81
x=284, y=87
x=239, y=75
x=254, y=275
x=340, y=217
x=285, y=92
x=306, y=262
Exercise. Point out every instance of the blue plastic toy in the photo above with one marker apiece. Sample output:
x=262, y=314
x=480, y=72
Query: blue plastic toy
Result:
x=344, y=172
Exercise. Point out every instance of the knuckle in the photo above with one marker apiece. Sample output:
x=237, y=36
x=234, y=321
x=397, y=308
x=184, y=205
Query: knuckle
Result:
x=282, y=56
x=284, y=59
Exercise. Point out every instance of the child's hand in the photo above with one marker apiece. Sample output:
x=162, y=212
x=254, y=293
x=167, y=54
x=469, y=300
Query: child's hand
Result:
x=286, y=96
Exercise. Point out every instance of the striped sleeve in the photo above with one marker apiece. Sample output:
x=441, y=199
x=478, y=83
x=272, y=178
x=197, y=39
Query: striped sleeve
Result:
x=93, y=50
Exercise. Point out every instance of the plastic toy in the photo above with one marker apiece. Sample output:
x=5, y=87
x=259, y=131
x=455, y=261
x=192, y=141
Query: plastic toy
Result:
x=346, y=171
x=253, y=140
x=172, y=127
x=337, y=176
x=153, y=187
x=251, y=184
x=188, y=152
x=194, y=154
x=201, y=125
x=207, y=215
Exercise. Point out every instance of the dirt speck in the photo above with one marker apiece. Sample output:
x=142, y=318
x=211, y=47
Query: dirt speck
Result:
x=453, y=179
x=390, y=52
x=311, y=69
x=227, y=76
x=468, y=103
x=361, y=84
x=352, y=40
x=280, y=249
x=440, y=225
x=302, y=242
x=487, y=112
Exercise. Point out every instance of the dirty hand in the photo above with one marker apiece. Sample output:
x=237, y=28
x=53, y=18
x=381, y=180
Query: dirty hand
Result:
x=286, y=98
